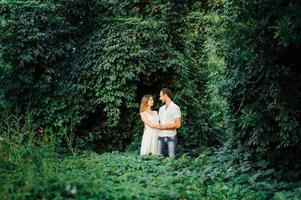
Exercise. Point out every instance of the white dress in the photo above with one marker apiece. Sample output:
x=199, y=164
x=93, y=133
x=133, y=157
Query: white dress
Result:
x=150, y=136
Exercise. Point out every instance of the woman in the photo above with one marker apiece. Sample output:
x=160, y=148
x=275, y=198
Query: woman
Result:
x=151, y=120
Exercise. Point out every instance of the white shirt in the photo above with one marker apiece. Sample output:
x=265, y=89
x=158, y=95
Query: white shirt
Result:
x=169, y=115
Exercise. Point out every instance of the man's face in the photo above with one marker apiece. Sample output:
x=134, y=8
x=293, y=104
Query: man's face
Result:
x=162, y=97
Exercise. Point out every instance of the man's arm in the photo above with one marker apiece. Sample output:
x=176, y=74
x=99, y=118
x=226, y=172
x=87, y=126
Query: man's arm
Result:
x=171, y=126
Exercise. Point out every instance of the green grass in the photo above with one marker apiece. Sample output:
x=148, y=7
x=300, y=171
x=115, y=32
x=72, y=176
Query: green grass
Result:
x=119, y=175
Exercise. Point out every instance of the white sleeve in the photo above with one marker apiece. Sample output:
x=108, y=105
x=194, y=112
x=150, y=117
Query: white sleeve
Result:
x=177, y=112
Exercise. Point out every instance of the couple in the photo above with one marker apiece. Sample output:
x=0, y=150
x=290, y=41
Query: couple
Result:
x=160, y=130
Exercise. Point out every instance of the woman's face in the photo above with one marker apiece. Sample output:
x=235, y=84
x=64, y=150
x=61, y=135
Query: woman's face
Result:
x=150, y=102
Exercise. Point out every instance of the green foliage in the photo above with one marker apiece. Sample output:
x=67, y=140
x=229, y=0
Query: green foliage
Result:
x=30, y=168
x=217, y=90
x=263, y=78
x=24, y=151
x=84, y=68
x=120, y=54
x=249, y=53
x=37, y=41
x=120, y=58
x=127, y=176
x=80, y=69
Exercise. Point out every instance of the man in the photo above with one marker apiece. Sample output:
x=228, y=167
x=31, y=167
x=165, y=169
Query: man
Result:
x=170, y=120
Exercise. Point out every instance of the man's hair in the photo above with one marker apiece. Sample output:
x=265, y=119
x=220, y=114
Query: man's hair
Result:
x=167, y=92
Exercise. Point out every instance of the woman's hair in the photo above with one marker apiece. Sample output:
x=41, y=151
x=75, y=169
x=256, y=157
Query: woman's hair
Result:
x=144, y=101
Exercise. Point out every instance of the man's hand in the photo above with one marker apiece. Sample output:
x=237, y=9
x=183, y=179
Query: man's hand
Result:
x=171, y=126
x=154, y=125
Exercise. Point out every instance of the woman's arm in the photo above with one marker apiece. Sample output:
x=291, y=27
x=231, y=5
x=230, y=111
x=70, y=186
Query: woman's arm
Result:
x=146, y=121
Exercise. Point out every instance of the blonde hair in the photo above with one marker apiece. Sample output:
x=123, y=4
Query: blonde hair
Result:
x=144, y=101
